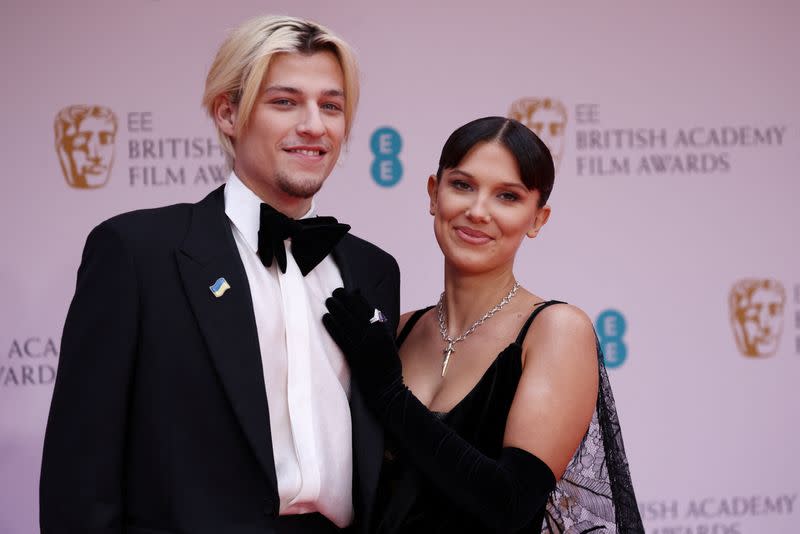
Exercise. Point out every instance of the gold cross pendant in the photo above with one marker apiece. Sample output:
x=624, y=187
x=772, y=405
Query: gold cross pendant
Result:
x=447, y=352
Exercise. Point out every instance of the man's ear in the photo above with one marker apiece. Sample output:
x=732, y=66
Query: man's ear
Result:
x=225, y=115
x=539, y=220
x=433, y=191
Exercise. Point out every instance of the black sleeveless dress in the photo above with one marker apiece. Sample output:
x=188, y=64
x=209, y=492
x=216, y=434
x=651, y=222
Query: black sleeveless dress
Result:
x=584, y=500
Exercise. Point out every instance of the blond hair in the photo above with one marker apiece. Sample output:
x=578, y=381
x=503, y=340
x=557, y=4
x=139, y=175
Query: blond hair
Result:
x=244, y=57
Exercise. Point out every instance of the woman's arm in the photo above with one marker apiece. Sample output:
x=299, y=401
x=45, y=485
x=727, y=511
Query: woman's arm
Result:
x=557, y=391
x=505, y=493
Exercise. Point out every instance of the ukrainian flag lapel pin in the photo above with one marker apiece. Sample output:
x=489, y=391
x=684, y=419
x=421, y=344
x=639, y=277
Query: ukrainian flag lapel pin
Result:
x=219, y=287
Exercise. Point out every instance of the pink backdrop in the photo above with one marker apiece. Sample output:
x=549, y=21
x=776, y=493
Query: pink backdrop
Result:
x=678, y=178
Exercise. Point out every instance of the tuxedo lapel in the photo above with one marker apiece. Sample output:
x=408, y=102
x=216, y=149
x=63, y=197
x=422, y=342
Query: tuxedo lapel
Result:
x=367, y=434
x=340, y=257
x=227, y=321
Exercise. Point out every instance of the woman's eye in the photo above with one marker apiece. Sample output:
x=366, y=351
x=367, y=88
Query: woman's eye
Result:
x=460, y=184
x=510, y=197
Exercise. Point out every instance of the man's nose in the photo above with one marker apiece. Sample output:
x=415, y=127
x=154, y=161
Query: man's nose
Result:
x=311, y=123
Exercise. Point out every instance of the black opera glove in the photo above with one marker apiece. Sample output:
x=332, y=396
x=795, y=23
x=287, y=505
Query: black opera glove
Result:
x=505, y=493
x=368, y=346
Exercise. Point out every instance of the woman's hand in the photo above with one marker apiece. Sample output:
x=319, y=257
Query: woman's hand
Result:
x=368, y=346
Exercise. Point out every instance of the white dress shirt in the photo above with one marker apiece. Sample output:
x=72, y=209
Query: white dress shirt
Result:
x=305, y=373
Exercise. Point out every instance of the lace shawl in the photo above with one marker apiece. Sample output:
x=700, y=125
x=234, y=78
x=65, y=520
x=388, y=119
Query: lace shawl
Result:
x=596, y=494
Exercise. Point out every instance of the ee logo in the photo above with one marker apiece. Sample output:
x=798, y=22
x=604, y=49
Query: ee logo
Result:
x=611, y=328
x=386, y=167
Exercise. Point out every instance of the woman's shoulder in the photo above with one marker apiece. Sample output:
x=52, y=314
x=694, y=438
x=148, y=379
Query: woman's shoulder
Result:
x=562, y=318
x=407, y=316
x=564, y=332
x=403, y=320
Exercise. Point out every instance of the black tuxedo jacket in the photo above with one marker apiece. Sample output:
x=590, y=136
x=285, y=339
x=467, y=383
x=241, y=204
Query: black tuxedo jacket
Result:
x=159, y=420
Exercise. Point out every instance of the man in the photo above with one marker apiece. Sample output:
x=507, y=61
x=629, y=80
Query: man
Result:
x=198, y=391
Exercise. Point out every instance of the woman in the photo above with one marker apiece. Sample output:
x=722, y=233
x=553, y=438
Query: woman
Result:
x=496, y=394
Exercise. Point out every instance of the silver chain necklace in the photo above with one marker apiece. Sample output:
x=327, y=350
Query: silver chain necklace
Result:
x=451, y=343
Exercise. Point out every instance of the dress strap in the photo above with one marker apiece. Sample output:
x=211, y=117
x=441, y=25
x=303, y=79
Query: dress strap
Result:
x=410, y=324
x=539, y=307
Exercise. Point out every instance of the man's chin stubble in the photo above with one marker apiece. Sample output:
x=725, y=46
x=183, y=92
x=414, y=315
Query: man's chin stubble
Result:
x=299, y=188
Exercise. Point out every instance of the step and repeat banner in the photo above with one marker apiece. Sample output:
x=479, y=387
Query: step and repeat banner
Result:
x=675, y=129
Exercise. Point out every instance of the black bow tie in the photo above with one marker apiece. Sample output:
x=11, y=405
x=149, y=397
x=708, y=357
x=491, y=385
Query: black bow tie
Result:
x=312, y=238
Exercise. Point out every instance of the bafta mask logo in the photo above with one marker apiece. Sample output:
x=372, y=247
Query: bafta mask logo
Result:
x=85, y=144
x=547, y=118
x=756, y=308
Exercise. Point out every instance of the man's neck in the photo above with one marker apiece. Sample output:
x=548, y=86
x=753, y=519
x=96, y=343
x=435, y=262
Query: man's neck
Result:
x=291, y=206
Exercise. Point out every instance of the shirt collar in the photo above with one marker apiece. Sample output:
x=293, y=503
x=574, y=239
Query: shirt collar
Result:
x=243, y=208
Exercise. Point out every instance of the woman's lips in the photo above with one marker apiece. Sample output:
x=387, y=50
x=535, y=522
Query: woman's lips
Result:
x=472, y=236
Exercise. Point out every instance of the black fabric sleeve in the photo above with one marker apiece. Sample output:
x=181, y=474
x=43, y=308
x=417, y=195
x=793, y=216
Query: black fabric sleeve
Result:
x=81, y=483
x=504, y=493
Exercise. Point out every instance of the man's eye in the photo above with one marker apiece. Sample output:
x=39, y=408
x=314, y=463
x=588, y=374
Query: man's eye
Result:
x=282, y=102
x=332, y=107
